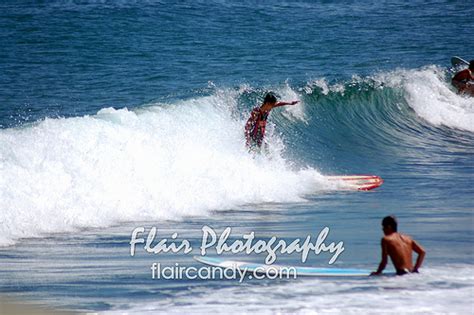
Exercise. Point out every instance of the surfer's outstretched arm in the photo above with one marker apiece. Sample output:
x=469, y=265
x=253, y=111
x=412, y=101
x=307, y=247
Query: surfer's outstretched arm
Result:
x=286, y=103
x=383, y=262
x=421, y=255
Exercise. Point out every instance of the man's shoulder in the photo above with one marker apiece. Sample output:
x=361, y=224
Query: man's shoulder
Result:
x=406, y=237
x=463, y=73
x=395, y=236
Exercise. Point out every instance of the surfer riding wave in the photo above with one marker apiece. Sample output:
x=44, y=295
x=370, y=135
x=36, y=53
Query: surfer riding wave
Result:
x=255, y=126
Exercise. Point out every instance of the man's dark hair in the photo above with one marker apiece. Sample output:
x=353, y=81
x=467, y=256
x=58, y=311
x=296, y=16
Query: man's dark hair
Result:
x=471, y=65
x=390, y=221
x=270, y=98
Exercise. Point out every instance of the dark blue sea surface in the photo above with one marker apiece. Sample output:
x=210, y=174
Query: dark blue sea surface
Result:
x=69, y=58
x=120, y=114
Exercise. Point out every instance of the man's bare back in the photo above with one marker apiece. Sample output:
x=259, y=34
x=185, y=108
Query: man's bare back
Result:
x=399, y=248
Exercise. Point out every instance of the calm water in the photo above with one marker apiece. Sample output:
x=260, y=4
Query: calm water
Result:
x=118, y=114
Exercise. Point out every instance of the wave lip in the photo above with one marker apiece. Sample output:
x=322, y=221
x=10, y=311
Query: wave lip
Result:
x=186, y=158
x=434, y=100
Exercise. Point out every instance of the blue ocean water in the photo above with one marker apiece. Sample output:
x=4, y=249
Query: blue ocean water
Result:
x=120, y=114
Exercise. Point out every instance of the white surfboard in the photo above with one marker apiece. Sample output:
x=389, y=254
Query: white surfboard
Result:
x=284, y=270
x=457, y=62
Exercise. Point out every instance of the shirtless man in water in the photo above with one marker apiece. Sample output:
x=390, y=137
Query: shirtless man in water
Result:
x=255, y=126
x=399, y=247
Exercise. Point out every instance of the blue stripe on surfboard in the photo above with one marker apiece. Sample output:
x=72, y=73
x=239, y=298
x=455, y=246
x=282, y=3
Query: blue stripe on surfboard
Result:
x=301, y=271
x=209, y=259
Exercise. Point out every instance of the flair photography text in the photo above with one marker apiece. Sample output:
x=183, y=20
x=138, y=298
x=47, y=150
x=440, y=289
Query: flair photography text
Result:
x=225, y=242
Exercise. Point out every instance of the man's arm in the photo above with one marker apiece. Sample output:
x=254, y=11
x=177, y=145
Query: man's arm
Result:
x=421, y=255
x=461, y=76
x=384, y=261
x=286, y=103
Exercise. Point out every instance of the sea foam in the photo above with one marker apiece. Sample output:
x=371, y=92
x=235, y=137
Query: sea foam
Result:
x=432, y=98
x=164, y=161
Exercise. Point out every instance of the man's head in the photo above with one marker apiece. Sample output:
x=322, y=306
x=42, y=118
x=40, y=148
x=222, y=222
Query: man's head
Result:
x=471, y=65
x=389, y=225
x=270, y=98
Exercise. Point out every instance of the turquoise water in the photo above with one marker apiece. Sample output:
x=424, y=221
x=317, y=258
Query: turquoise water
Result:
x=122, y=114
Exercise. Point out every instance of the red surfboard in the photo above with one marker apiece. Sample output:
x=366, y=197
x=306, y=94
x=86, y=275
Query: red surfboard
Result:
x=359, y=182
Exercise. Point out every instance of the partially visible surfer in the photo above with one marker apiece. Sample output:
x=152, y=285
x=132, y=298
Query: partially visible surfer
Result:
x=255, y=126
x=400, y=248
x=464, y=80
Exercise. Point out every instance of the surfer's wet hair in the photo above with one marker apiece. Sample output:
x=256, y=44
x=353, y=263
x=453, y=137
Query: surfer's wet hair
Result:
x=471, y=65
x=270, y=98
x=390, y=221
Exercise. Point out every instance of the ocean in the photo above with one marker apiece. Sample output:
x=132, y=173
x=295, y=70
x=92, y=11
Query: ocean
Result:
x=123, y=114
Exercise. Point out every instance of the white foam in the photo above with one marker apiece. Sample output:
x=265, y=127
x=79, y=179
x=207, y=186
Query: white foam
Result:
x=292, y=112
x=161, y=162
x=439, y=290
x=433, y=99
x=324, y=86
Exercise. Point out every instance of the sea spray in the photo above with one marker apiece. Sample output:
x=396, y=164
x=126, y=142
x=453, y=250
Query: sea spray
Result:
x=159, y=162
